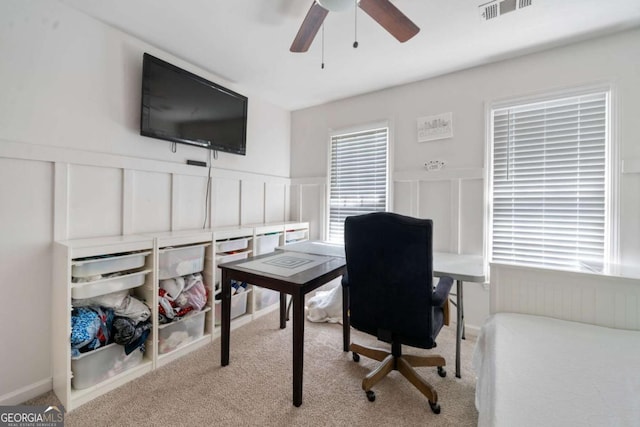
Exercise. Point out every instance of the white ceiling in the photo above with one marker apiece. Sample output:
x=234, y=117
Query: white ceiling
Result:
x=247, y=41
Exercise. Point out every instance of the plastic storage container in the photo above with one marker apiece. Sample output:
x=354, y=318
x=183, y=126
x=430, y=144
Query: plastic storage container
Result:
x=177, y=334
x=265, y=297
x=232, y=245
x=106, y=286
x=238, y=305
x=175, y=262
x=101, y=364
x=222, y=258
x=108, y=264
x=266, y=243
x=293, y=236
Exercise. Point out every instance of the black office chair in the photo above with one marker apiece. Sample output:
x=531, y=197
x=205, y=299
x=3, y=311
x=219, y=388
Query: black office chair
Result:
x=389, y=294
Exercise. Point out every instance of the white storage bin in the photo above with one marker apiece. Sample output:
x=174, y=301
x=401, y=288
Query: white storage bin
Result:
x=293, y=236
x=238, y=306
x=265, y=297
x=109, y=264
x=175, y=262
x=101, y=364
x=232, y=245
x=266, y=243
x=222, y=258
x=107, y=286
x=179, y=333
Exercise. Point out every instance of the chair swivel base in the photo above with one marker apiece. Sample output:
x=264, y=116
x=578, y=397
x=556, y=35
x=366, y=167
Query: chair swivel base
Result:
x=404, y=364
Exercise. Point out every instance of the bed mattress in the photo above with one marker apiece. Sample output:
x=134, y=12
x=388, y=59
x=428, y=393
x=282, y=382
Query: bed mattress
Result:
x=539, y=371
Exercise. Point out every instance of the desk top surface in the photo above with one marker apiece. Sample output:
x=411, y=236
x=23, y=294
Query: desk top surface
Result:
x=468, y=268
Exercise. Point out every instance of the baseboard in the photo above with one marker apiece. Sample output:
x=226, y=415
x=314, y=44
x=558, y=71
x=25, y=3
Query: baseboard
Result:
x=28, y=392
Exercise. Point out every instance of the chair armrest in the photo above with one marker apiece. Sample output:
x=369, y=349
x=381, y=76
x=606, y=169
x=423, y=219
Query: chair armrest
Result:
x=441, y=293
x=345, y=280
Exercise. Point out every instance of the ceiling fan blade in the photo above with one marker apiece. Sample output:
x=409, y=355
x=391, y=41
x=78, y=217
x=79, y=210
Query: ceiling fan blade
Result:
x=309, y=28
x=390, y=18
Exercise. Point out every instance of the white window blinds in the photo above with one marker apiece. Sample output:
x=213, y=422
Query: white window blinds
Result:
x=548, y=189
x=358, y=177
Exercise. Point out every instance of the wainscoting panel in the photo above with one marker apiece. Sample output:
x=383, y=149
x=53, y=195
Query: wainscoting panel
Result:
x=226, y=202
x=274, y=202
x=471, y=216
x=598, y=299
x=434, y=202
x=189, y=197
x=312, y=208
x=95, y=201
x=151, y=201
x=405, y=198
x=252, y=201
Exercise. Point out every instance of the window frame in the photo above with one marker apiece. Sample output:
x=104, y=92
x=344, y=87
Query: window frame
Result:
x=612, y=163
x=354, y=129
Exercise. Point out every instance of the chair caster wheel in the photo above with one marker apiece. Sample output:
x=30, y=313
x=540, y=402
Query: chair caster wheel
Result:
x=356, y=357
x=371, y=396
x=442, y=372
x=435, y=407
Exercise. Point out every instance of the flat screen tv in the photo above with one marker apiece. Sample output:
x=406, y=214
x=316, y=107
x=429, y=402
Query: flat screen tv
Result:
x=182, y=107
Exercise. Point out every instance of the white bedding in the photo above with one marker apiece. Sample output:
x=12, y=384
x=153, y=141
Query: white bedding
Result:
x=539, y=371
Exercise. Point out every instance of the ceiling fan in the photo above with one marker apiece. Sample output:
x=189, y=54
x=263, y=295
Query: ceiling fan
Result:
x=382, y=11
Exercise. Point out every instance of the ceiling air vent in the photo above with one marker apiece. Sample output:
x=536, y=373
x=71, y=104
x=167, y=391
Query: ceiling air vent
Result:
x=496, y=8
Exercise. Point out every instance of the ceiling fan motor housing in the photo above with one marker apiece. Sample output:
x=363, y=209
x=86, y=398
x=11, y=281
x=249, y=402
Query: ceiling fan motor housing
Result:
x=335, y=5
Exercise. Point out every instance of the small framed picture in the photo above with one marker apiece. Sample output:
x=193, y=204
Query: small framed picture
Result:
x=439, y=126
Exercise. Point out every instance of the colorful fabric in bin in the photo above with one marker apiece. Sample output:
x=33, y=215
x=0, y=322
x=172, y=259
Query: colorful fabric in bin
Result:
x=90, y=328
x=179, y=296
x=130, y=334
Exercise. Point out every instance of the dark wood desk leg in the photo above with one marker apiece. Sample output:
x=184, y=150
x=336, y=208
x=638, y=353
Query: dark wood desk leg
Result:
x=225, y=318
x=346, y=327
x=283, y=310
x=459, y=320
x=298, y=346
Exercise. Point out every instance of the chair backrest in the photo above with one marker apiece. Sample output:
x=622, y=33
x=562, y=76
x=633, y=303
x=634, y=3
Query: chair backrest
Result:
x=389, y=270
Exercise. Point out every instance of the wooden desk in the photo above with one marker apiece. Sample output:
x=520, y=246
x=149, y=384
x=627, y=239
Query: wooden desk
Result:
x=461, y=268
x=296, y=285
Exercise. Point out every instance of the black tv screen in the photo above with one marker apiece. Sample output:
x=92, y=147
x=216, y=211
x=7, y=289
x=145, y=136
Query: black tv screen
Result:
x=181, y=107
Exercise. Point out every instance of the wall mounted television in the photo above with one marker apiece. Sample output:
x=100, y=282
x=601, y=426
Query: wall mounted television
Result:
x=182, y=107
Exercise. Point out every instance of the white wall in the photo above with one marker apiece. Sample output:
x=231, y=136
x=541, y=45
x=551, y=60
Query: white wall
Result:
x=73, y=165
x=454, y=196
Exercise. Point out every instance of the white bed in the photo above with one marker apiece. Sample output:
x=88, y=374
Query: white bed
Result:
x=539, y=371
x=559, y=350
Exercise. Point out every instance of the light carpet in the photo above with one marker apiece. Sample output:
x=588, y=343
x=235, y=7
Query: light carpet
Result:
x=255, y=389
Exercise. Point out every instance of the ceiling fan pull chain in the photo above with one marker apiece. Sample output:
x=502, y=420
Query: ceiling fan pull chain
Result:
x=355, y=24
x=322, y=66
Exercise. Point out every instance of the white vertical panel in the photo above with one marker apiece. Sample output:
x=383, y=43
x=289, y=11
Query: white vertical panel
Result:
x=226, y=202
x=26, y=210
x=151, y=202
x=274, y=202
x=128, y=177
x=472, y=216
x=95, y=201
x=404, y=197
x=251, y=202
x=295, y=204
x=190, y=196
x=435, y=204
x=313, y=198
x=61, y=201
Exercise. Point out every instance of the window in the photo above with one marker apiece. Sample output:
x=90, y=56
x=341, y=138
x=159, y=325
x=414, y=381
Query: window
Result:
x=549, y=182
x=358, y=176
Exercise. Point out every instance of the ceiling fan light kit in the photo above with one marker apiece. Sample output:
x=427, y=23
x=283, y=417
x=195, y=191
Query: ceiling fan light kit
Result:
x=382, y=11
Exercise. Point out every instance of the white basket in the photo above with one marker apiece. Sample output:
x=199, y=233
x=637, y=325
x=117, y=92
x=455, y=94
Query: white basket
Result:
x=101, y=364
x=293, y=236
x=238, y=306
x=181, y=332
x=174, y=262
x=266, y=243
x=265, y=298
x=107, y=286
x=104, y=265
x=232, y=245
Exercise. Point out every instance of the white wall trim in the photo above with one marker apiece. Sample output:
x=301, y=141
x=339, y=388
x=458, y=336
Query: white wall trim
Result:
x=25, y=393
x=631, y=166
x=47, y=153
